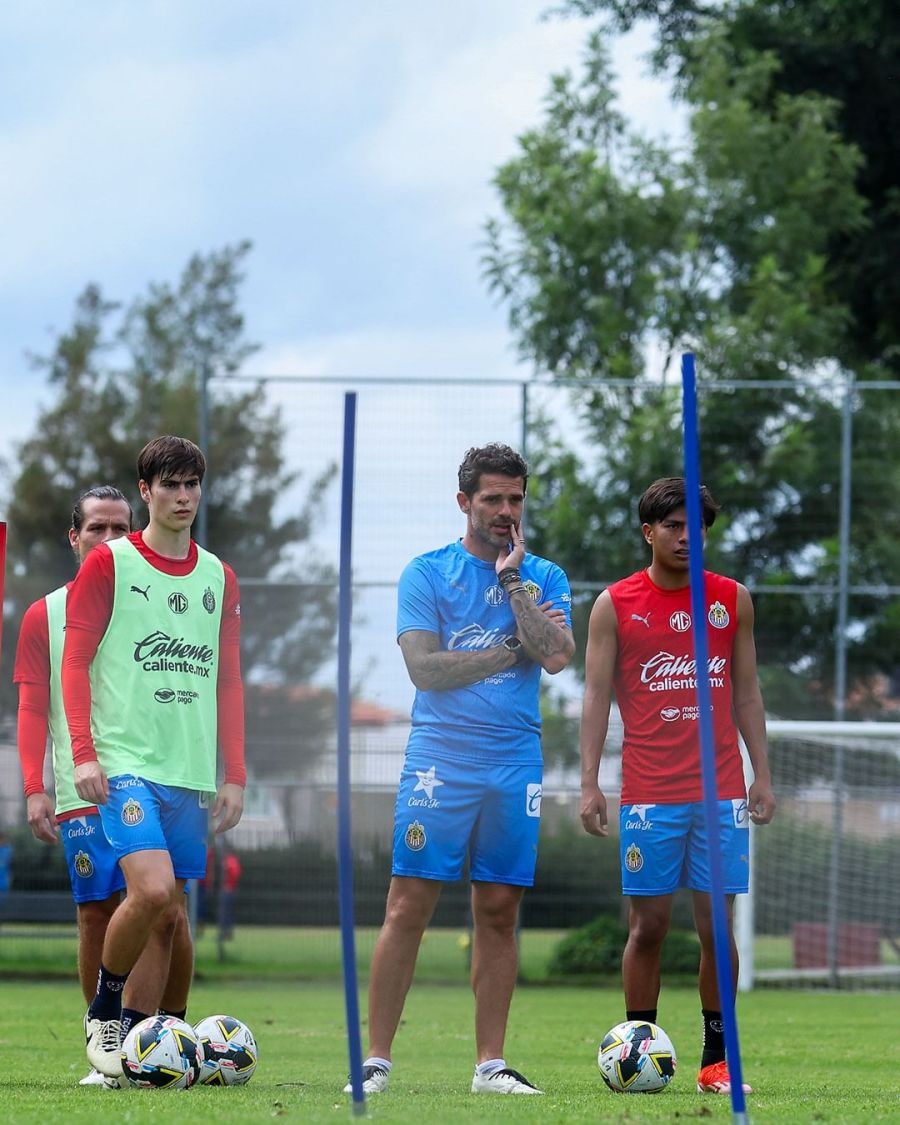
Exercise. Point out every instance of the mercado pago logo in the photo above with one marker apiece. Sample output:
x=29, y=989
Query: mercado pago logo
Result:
x=666, y=672
x=159, y=652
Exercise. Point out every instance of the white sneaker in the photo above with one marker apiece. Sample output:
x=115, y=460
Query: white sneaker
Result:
x=375, y=1080
x=104, y=1045
x=95, y=1078
x=505, y=1081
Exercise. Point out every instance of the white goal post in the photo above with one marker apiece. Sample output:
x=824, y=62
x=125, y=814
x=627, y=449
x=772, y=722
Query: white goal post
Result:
x=824, y=901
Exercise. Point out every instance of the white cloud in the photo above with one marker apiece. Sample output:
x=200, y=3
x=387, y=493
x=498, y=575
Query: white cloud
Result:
x=459, y=113
x=437, y=351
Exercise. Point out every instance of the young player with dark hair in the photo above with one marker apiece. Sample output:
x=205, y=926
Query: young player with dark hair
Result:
x=640, y=644
x=151, y=683
x=477, y=622
x=100, y=514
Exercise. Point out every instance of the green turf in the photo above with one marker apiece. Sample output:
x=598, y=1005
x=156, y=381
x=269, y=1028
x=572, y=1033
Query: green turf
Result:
x=259, y=952
x=812, y=1057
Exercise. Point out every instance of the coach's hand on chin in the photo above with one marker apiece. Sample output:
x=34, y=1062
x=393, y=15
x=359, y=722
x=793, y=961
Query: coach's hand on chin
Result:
x=91, y=783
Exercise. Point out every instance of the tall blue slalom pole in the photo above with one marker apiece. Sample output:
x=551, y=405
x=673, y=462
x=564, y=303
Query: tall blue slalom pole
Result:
x=721, y=928
x=345, y=848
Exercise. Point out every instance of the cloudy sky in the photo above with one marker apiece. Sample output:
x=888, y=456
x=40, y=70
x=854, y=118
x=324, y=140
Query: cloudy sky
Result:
x=353, y=143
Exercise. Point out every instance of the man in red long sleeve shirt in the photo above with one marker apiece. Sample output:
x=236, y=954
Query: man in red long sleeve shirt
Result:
x=100, y=514
x=151, y=684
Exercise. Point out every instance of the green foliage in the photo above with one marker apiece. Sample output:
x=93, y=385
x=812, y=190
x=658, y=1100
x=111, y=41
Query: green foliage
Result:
x=785, y=847
x=595, y=949
x=577, y=877
x=559, y=730
x=35, y=866
x=122, y=374
x=754, y=248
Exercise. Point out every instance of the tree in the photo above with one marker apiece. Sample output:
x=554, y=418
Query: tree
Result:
x=612, y=247
x=844, y=52
x=123, y=374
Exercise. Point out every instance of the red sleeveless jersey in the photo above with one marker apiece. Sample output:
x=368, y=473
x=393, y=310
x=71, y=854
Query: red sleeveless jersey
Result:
x=656, y=689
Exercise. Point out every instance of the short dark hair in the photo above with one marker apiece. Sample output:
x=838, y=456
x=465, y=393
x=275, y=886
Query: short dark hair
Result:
x=493, y=458
x=669, y=493
x=98, y=492
x=167, y=455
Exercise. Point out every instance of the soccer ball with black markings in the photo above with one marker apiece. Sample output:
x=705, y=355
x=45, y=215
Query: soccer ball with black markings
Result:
x=636, y=1057
x=161, y=1053
x=229, y=1052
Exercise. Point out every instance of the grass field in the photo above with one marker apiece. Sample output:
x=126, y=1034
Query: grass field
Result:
x=812, y=1057
x=271, y=952
x=310, y=953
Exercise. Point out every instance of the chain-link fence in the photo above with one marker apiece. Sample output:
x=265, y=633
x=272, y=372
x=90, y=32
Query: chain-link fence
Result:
x=813, y=551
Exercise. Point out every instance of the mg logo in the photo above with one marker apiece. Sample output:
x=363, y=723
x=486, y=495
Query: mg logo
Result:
x=178, y=603
x=493, y=595
x=680, y=621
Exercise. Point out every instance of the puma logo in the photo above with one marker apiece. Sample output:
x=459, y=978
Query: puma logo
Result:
x=634, y=617
x=138, y=590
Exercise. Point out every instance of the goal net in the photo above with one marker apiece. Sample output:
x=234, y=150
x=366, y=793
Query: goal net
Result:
x=824, y=902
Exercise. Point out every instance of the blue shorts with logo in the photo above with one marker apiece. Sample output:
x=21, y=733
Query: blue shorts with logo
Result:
x=447, y=809
x=664, y=847
x=94, y=870
x=143, y=816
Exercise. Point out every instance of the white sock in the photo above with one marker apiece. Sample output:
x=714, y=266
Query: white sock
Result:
x=385, y=1064
x=490, y=1066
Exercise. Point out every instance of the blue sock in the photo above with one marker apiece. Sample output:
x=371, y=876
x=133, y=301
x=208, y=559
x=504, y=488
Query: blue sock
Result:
x=107, y=1003
x=175, y=1015
x=131, y=1016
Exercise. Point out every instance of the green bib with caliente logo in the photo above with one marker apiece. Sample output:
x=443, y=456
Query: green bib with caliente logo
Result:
x=153, y=678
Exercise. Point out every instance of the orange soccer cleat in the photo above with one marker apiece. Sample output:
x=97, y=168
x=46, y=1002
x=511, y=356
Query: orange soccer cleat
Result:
x=715, y=1079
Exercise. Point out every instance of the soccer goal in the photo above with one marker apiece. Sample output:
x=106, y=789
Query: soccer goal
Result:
x=824, y=902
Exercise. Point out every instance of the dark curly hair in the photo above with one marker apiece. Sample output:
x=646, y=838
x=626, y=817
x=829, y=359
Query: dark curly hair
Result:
x=493, y=458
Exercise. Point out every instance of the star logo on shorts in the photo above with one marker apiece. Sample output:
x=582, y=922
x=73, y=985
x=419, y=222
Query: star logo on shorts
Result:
x=427, y=782
x=640, y=810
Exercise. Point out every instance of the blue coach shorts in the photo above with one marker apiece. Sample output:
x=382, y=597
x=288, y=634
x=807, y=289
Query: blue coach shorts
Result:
x=664, y=847
x=94, y=870
x=146, y=816
x=447, y=809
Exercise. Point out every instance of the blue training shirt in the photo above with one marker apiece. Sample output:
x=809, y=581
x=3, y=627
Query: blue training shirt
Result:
x=457, y=596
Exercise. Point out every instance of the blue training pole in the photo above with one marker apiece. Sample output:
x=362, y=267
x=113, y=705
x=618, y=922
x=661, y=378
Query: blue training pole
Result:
x=721, y=929
x=345, y=848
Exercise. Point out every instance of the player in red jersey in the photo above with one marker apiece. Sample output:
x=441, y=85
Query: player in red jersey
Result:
x=100, y=514
x=151, y=685
x=640, y=645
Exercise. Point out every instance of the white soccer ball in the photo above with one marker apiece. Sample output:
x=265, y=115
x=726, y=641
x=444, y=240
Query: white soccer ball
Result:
x=161, y=1053
x=228, y=1050
x=636, y=1057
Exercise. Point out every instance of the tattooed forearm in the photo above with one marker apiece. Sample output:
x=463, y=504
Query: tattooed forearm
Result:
x=434, y=669
x=551, y=645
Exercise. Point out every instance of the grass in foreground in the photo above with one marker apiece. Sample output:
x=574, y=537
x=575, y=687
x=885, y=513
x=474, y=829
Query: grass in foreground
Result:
x=811, y=1057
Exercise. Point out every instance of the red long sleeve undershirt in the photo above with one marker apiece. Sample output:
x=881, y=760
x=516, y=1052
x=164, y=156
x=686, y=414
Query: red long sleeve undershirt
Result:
x=32, y=674
x=88, y=610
